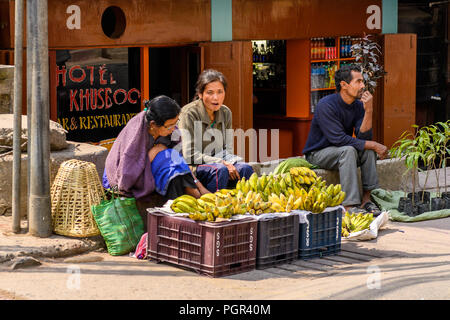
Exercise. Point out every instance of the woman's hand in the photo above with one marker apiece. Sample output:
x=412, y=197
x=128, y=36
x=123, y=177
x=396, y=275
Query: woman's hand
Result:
x=234, y=174
x=157, y=148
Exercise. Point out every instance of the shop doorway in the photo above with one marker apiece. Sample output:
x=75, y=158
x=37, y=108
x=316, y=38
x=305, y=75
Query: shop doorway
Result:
x=173, y=71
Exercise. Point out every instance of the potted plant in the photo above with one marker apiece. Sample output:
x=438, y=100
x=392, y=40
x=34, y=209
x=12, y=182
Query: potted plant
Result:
x=444, y=155
x=412, y=147
x=438, y=159
x=366, y=53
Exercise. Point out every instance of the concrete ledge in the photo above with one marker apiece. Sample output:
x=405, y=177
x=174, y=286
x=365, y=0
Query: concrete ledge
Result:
x=75, y=150
x=391, y=173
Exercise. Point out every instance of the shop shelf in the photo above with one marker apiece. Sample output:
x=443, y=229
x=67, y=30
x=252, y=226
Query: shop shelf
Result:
x=321, y=236
x=214, y=249
x=277, y=241
x=324, y=89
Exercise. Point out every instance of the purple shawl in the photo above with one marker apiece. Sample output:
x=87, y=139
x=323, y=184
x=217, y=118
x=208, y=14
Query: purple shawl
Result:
x=127, y=164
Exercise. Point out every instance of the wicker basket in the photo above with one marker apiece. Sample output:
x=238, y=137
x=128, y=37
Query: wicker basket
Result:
x=76, y=187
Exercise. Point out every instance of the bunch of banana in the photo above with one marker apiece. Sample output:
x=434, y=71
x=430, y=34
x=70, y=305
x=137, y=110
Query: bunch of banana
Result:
x=243, y=185
x=217, y=205
x=185, y=204
x=188, y=204
x=335, y=194
x=255, y=204
x=355, y=222
x=303, y=175
x=254, y=183
x=320, y=183
x=282, y=203
x=315, y=200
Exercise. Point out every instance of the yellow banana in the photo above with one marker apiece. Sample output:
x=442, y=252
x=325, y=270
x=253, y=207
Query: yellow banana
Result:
x=306, y=180
x=316, y=208
x=210, y=197
x=283, y=200
x=259, y=187
x=176, y=209
x=341, y=198
x=307, y=204
x=220, y=202
x=276, y=207
x=265, y=205
x=323, y=206
x=290, y=200
x=185, y=208
x=263, y=181
x=191, y=201
x=312, y=173
x=297, y=204
x=283, y=185
x=249, y=196
x=253, y=180
x=336, y=189
x=294, y=171
x=210, y=217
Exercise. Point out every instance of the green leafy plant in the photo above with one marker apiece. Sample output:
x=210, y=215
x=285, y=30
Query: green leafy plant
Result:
x=439, y=151
x=430, y=145
x=366, y=53
x=411, y=147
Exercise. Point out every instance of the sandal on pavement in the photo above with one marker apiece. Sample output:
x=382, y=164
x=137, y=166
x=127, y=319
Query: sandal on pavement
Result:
x=371, y=207
x=356, y=210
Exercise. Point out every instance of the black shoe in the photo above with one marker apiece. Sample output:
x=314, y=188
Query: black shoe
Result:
x=371, y=207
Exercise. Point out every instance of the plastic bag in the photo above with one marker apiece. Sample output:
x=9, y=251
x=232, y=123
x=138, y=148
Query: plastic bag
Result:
x=120, y=224
x=372, y=232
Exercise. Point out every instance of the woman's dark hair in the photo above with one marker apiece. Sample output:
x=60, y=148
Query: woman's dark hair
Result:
x=345, y=74
x=160, y=109
x=206, y=77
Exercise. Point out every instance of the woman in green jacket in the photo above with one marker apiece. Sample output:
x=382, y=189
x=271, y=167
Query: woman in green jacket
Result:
x=206, y=125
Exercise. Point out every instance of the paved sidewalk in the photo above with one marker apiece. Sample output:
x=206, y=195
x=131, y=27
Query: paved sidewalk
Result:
x=406, y=261
x=14, y=246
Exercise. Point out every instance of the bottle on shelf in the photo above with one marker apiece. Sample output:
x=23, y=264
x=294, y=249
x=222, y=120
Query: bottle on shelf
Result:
x=262, y=53
x=333, y=48
x=269, y=57
x=322, y=48
x=330, y=46
x=349, y=49
x=255, y=52
x=313, y=76
x=343, y=52
x=316, y=96
x=322, y=76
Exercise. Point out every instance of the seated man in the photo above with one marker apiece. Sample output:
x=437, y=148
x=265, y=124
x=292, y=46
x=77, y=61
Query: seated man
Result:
x=331, y=144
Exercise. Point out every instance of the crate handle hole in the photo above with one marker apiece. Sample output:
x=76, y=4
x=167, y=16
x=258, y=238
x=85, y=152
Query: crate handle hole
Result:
x=235, y=265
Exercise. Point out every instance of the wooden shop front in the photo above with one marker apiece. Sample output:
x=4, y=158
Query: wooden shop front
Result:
x=107, y=56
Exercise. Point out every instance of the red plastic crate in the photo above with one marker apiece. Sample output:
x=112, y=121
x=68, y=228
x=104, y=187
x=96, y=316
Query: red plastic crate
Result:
x=214, y=249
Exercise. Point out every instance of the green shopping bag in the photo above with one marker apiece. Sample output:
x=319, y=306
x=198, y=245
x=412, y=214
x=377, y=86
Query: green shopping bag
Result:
x=119, y=223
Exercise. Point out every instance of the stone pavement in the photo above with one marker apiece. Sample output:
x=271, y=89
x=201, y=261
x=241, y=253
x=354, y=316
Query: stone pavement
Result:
x=23, y=248
x=18, y=250
x=406, y=261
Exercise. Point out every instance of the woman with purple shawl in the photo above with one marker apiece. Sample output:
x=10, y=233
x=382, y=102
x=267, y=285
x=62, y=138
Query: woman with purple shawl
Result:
x=142, y=159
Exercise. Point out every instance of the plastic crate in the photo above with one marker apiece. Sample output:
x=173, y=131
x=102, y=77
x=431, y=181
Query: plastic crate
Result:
x=213, y=249
x=277, y=241
x=321, y=236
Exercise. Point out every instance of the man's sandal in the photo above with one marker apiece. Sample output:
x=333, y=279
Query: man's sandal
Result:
x=371, y=207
